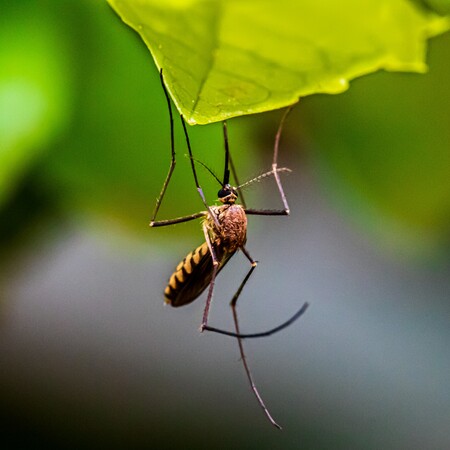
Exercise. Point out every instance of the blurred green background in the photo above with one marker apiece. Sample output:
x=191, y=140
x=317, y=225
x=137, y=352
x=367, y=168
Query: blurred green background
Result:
x=89, y=355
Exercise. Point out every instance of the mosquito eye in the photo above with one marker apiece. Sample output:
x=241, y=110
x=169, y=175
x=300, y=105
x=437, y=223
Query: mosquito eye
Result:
x=223, y=193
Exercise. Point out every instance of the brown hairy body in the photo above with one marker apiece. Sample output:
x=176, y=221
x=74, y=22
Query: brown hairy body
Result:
x=193, y=274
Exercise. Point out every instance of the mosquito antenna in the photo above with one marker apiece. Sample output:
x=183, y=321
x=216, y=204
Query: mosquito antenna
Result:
x=226, y=174
x=208, y=169
x=284, y=325
x=262, y=176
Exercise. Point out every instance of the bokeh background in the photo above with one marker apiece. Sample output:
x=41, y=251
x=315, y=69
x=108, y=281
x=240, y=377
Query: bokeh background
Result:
x=91, y=358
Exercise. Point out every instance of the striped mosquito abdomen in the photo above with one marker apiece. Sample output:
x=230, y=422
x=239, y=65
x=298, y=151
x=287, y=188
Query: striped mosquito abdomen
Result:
x=192, y=276
x=180, y=278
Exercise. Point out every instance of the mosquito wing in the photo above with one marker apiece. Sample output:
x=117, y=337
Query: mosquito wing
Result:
x=193, y=275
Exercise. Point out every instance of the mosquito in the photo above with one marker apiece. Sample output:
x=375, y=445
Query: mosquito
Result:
x=225, y=231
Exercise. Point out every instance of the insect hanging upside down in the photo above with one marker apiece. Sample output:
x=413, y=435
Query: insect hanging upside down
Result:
x=225, y=230
x=193, y=275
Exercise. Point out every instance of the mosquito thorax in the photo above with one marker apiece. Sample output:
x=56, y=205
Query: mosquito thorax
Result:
x=227, y=194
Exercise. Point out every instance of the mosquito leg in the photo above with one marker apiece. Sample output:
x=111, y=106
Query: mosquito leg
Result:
x=276, y=212
x=275, y=160
x=240, y=192
x=172, y=147
x=199, y=189
x=241, y=347
x=216, y=263
x=232, y=166
x=267, y=212
x=163, y=223
x=239, y=335
x=213, y=279
x=244, y=281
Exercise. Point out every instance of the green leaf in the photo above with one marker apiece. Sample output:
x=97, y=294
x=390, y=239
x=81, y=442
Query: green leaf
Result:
x=113, y=160
x=225, y=58
x=440, y=6
x=384, y=155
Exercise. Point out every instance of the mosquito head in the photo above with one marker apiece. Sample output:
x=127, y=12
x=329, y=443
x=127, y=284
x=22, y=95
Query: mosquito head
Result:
x=227, y=194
